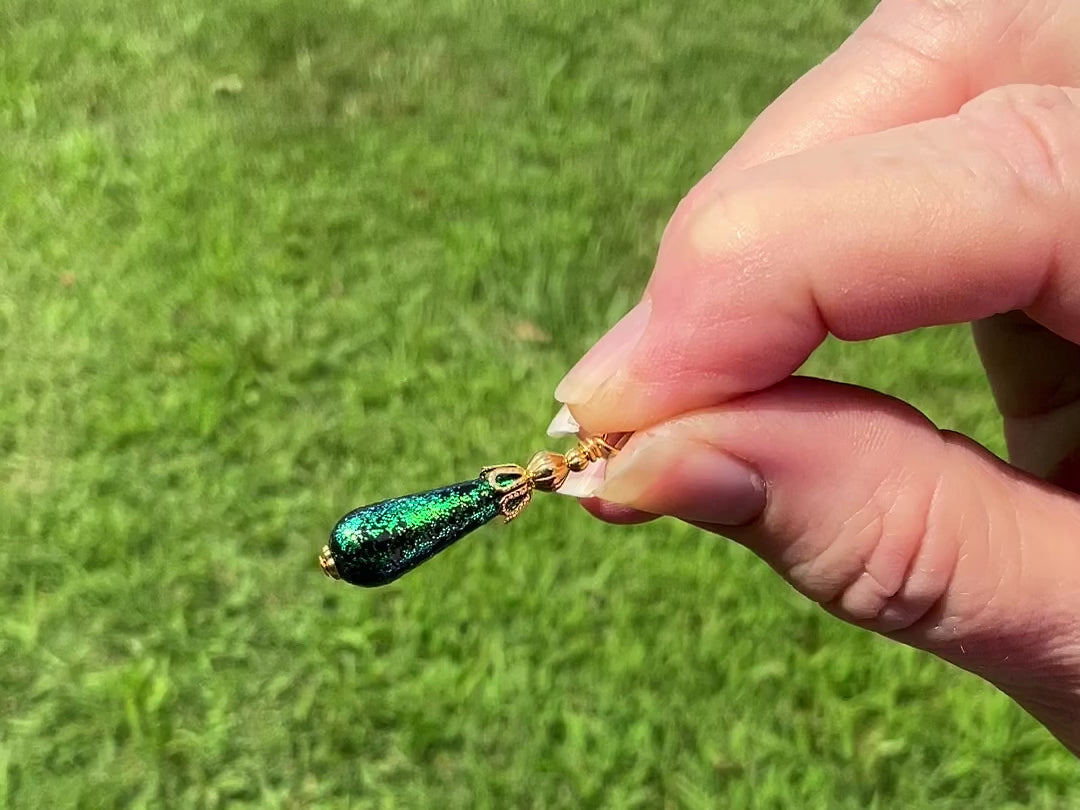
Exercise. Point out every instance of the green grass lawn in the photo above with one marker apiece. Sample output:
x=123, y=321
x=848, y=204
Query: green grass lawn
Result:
x=263, y=261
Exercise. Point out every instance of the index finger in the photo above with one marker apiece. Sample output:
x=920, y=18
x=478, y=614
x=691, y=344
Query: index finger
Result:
x=945, y=221
x=906, y=62
x=913, y=60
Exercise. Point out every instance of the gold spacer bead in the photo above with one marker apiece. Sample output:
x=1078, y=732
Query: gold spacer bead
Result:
x=577, y=460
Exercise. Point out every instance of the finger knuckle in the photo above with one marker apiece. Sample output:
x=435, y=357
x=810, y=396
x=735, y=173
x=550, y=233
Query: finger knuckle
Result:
x=725, y=231
x=1034, y=131
x=920, y=28
x=868, y=574
x=926, y=10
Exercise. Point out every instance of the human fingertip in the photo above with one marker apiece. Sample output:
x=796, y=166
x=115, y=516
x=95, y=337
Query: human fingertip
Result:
x=615, y=512
x=585, y=483
x=607, y=356
x=693, y=481
x=564, y=424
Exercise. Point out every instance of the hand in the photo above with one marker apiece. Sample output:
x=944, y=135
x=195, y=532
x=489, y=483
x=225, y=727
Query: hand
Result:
x=927, y=173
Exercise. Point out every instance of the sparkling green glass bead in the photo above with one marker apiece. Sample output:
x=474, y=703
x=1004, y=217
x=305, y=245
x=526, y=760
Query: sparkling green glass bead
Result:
x=376, y=544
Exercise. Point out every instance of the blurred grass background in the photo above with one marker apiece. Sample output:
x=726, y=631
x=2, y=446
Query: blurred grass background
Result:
x=261, y=262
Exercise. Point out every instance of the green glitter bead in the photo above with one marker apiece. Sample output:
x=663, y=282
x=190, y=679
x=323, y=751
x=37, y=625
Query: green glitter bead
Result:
x=376, y=544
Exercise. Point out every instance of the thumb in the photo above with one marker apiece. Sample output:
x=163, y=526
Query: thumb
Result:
x=865, y=507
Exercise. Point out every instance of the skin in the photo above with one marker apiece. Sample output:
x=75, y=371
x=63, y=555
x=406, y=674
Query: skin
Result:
x=940, y=145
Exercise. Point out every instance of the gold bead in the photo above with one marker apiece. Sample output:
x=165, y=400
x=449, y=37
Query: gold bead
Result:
x=326, y=562
x=576, y=460
x=547, y=470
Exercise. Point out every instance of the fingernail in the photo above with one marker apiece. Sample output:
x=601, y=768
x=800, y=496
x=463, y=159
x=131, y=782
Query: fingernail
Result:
x=688, y=480
x=584, y=484
x=564, y=424
x=606, y=357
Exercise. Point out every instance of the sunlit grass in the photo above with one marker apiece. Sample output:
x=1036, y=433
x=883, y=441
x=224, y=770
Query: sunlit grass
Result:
x=261, y=262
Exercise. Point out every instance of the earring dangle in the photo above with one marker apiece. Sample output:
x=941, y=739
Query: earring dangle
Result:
x=376, y=544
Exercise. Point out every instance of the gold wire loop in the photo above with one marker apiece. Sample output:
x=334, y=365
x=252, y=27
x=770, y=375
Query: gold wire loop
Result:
x=589, y=449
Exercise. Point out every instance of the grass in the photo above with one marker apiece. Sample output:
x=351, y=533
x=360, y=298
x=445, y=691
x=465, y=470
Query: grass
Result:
x=263, y=261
